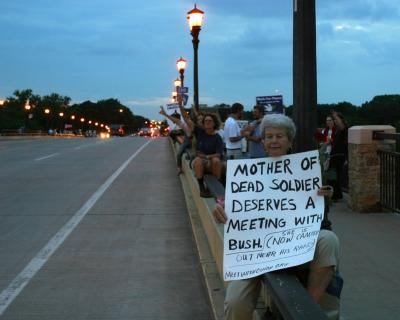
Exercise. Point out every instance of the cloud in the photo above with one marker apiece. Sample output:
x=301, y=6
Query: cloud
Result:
x=249, y=9
x=371, y=10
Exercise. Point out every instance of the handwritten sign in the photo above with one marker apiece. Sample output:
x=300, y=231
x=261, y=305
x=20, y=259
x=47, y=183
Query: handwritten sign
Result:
x=173, y=108
x=274, y=214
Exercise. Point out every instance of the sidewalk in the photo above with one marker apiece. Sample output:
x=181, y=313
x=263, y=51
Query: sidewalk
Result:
x=370, y=263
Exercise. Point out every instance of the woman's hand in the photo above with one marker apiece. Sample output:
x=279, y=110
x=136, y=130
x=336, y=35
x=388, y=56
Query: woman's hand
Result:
x=219, y=214
x=162, y=111
x=326, y=191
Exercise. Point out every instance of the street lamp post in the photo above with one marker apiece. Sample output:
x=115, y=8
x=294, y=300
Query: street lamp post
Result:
x=28, y=108
x=177, y=83
x=195, y=18
x=47, y=113
x=181, y=65
x=304, y=74
x=61, y=122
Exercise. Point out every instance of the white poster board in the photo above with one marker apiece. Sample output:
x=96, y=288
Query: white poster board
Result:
x=170, y=109
x=274, y=213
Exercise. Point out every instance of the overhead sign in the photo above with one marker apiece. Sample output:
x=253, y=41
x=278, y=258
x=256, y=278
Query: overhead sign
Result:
x=182, y=89
x=274, y=214
x=185, y=98
x=272, y=104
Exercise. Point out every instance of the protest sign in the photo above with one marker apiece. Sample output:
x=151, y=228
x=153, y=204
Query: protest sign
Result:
x=272, y=104
x=171, y=109
x=274, y=213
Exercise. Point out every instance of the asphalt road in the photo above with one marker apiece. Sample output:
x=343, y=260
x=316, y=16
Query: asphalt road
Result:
x=95, y=229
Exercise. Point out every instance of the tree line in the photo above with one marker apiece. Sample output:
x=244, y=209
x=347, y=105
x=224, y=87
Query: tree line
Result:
x=381, y=110
x=27, y=110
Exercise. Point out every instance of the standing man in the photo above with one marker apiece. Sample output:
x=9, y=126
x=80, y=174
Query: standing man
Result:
x=232, y=133
x=252, y=133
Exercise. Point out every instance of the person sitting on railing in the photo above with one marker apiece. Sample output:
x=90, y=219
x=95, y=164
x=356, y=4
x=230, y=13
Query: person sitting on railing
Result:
x=187, y=127
x=209, y=150
x=278, y=132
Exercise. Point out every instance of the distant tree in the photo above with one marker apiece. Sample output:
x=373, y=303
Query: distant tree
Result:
x=13, y=114
x=383, y=109
x=109, y=112
x=349, y=111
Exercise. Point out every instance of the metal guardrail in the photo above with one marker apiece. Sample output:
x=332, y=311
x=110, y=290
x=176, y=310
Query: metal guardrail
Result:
x=9, y=132
x=390, y=179
x=389, y=172
x=381, y=135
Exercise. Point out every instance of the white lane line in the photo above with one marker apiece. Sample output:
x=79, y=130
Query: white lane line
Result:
x=82, y=146
x=46, y=157
x=88, y=145
x=8, y=295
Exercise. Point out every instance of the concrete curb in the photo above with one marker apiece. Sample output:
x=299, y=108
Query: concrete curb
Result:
x=213, y=283
x=196, y=208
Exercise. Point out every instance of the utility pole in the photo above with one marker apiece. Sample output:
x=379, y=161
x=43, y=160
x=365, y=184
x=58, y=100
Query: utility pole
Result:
x=304, y=74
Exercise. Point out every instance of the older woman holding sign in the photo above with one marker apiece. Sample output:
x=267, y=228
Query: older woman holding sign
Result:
x=278, y=132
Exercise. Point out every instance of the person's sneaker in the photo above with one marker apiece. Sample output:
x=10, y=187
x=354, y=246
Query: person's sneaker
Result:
x=205, y=194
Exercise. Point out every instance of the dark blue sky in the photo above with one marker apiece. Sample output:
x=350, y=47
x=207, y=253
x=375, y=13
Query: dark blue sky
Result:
x=127, y=49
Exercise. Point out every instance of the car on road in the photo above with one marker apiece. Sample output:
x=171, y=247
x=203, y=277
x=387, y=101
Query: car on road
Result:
x=144, y=132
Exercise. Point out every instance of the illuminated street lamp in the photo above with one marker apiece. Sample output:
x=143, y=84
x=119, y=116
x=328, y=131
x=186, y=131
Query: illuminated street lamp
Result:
x=27, y=106
x=195, y=19
x=47, y=112
x=121, y=110
x=82, y=119
x=181, y=65
x=72, y=117
x=61, y=123
x=2, y=102
x=174, y=94
x=177, y=83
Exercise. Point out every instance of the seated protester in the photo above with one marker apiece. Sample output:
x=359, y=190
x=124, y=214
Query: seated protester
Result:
x=209, y=150
x=187, y=130
x=278, y=132
x=177, y=131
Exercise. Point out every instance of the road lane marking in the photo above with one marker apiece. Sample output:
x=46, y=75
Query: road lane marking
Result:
x=8, y=295
x=82, y=146
x=88, y=145
x=46, y=157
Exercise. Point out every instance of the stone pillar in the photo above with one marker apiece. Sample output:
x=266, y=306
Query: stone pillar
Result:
x=364, y=167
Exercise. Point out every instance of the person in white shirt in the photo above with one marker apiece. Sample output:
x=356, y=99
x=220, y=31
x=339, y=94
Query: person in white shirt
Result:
x=232, y=134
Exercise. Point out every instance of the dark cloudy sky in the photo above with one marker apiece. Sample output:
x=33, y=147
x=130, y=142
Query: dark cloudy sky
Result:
x=127, y=49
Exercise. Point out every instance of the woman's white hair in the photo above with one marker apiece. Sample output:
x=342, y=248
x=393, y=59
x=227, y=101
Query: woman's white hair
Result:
x=277, y=120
